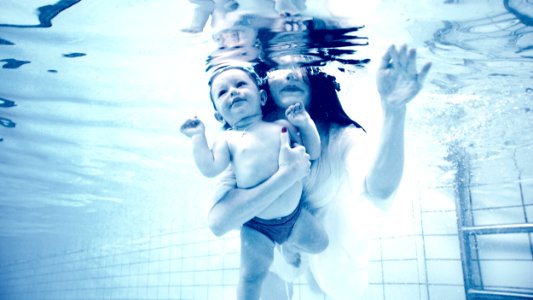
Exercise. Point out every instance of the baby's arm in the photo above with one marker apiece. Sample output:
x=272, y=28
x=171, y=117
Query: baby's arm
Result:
x=298, y=116
x=210, y=161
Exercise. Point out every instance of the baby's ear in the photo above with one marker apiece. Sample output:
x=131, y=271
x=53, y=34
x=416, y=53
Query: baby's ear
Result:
x=263, y=95
x=219, y=118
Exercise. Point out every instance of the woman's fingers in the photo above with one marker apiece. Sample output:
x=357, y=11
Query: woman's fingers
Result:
x=423, y=73
x=395, y=57
x=402, y=56
x=386, y=60
x=284, y=138
x=296, y=159
x=301, y=161
x=411, y=62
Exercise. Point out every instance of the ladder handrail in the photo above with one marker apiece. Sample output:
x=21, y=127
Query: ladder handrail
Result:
x=497, y=295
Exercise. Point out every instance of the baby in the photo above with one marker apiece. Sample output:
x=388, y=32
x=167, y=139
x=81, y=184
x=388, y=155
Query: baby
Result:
x=252, y=147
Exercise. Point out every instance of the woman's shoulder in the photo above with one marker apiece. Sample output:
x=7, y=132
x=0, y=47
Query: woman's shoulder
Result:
x=345, y=139
x=349, y=132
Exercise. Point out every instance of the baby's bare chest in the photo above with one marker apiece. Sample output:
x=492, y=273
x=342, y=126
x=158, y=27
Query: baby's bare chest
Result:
x=255, y=153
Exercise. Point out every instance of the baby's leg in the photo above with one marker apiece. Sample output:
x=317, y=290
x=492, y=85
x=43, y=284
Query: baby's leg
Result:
x=307, y=235
x=257, y=252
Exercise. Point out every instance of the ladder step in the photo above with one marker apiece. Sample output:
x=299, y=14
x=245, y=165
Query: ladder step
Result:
x=499, y=229
x=496, y=295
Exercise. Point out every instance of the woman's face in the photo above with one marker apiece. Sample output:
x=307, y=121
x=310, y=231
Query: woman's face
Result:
x=289, y=86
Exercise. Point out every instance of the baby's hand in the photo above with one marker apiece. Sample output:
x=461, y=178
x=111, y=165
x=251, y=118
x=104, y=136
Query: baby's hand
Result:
x=192, y=127
x=297, y=115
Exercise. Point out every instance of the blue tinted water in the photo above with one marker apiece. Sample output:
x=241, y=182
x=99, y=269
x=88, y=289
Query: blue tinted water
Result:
x=89, y=123
x=91, y=98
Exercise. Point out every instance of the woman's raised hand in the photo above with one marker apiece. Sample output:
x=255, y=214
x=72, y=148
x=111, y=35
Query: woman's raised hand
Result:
x=398, y=80
x=295, y=159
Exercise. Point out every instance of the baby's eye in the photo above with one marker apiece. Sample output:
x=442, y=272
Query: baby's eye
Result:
x=241, y=83
x=221, y=93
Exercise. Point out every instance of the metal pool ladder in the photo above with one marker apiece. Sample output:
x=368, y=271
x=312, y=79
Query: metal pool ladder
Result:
x=468, y=233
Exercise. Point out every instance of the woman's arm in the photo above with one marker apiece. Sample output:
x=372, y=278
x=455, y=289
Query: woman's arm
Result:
x=386, y=170
x=237, y=206
x=398, y=83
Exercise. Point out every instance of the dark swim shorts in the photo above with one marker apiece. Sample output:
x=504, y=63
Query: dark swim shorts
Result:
x=277, y=230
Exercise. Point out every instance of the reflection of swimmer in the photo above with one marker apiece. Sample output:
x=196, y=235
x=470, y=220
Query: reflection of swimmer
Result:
x=236, y=43
x=252, y=147
x=209, y=8
x=279, y=40
x=219, y=9
x=290, y=6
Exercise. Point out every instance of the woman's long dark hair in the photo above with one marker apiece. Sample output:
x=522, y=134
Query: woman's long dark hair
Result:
x=325, y=106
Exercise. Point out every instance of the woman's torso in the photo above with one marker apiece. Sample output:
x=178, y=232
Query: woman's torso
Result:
x=330, y=173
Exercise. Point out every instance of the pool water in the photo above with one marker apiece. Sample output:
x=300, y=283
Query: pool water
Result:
x=94, y=171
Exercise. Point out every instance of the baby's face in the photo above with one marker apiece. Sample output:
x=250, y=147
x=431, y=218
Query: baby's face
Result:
x=236, y=95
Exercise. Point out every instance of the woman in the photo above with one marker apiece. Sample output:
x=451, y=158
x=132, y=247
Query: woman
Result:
x=341, y=183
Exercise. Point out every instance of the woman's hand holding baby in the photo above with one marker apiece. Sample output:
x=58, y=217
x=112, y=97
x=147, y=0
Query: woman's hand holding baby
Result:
x=295, y=159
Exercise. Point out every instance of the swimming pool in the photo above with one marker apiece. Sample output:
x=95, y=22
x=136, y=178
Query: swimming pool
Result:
x=99, y=198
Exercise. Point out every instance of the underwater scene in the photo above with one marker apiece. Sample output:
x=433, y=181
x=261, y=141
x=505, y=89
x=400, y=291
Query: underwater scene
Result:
x=101, y=195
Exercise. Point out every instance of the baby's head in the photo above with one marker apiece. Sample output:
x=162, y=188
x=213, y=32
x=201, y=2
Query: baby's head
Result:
x=236, y=94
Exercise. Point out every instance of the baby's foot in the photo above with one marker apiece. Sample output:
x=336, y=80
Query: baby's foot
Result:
x=292, y=257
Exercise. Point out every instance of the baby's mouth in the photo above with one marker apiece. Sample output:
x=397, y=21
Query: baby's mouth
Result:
x=237, y=100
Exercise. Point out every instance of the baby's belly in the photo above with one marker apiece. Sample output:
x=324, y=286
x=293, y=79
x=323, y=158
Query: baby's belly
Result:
x=284, y=205
x=253, y=170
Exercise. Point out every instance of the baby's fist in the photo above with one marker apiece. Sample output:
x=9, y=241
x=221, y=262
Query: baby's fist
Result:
x=192, y=127
x=297, y=115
